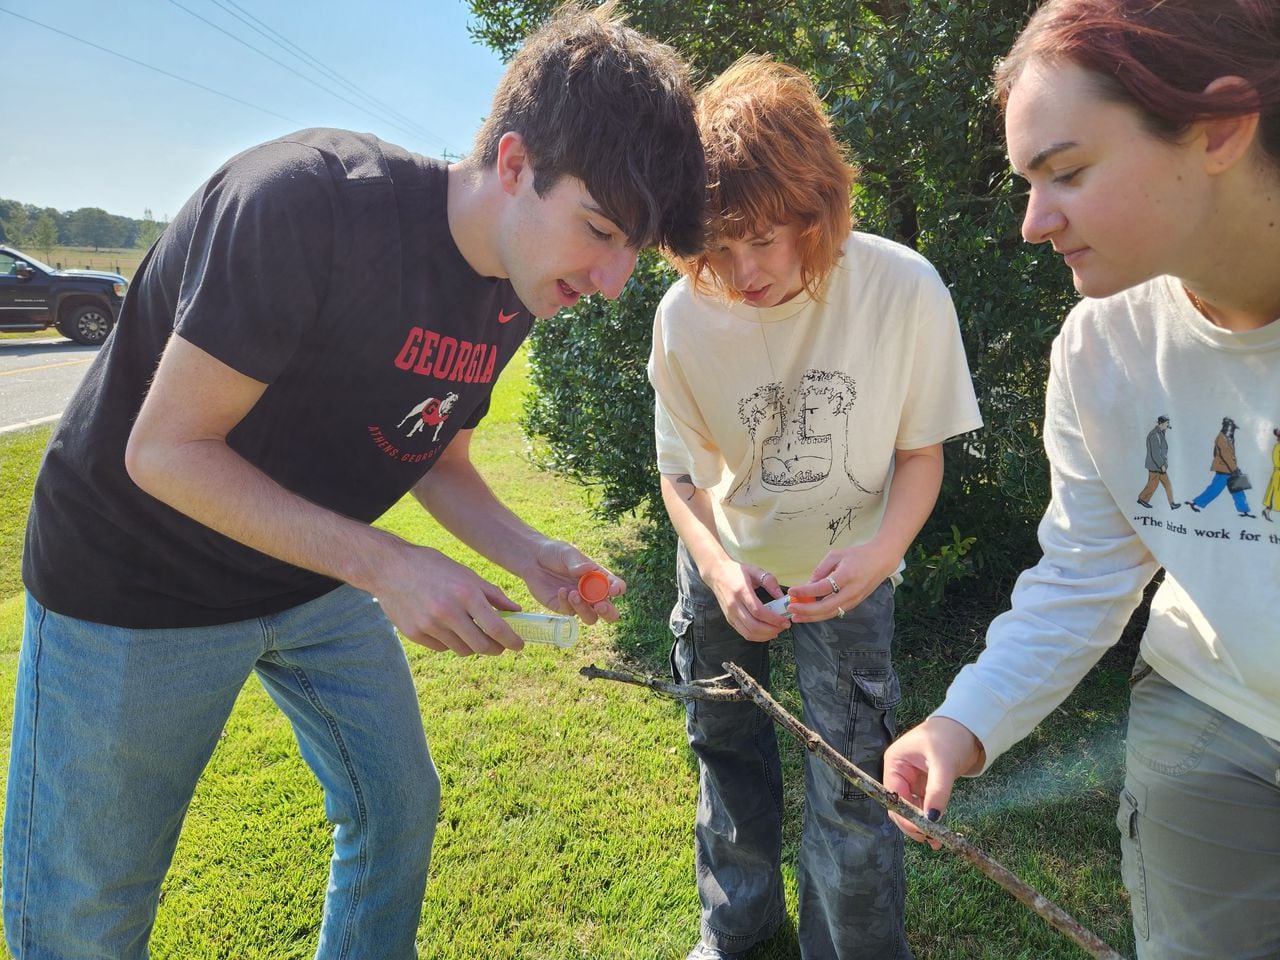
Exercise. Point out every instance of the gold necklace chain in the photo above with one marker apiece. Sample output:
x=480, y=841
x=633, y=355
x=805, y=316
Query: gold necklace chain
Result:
x=1198, y=304
x=1203, y=310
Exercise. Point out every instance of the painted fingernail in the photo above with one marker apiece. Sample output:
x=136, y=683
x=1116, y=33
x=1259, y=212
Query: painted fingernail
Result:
x=934, y=814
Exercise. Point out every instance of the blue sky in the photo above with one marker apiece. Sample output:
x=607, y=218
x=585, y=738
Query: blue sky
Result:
x=80, y=127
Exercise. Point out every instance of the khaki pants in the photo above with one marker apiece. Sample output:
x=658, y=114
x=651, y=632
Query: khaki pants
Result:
x=1154, y=478
x=1199, y=826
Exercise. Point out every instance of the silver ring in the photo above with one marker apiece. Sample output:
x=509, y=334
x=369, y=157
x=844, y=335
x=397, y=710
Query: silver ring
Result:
x=835, y=587
x=840, y=610
x=763, y=575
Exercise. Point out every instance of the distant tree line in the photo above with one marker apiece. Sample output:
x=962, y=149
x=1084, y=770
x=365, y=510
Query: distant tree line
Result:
x=40, y=229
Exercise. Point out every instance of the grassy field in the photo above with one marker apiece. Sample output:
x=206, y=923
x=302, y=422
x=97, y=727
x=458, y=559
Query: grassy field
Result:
x=122, y=261
x=568, y=804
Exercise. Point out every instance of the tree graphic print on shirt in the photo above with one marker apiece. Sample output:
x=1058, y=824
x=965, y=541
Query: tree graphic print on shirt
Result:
x=800, y=442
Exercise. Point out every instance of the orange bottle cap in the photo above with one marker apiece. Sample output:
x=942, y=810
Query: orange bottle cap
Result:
x=594, y=586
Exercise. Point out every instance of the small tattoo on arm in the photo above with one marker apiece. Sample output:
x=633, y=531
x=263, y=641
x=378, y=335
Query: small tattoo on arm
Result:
x=684, y=478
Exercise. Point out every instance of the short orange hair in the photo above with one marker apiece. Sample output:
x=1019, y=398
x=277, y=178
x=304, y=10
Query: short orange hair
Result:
x=771, y=160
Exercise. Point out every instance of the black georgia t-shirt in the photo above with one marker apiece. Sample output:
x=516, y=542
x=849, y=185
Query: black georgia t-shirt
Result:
x=322, y=265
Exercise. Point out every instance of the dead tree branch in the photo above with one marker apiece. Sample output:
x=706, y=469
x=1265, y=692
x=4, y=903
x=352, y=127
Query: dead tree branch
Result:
x=715, y=689
x=749, y=689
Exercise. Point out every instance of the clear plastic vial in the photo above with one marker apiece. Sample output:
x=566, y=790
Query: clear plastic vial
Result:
x=544, y=627
x=781, y=604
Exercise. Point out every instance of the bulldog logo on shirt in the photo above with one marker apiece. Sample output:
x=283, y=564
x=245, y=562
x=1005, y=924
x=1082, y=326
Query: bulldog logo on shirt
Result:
x=431, y=412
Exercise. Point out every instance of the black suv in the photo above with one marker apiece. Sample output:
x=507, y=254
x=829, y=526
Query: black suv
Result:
x=83, y=304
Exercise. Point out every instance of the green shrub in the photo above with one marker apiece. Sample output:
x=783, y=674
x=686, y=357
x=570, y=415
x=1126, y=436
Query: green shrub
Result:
x=590, y=407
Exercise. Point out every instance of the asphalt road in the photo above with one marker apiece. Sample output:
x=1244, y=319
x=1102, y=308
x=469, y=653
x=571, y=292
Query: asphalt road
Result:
x=37, y=378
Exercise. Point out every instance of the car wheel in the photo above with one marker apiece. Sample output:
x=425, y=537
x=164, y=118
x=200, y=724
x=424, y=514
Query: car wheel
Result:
x=88, y=324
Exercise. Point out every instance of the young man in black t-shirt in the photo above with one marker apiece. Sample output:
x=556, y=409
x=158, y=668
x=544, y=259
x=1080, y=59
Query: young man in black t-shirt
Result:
x=316, y=334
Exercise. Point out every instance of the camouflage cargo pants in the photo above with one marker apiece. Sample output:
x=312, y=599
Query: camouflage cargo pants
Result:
x=850, y=873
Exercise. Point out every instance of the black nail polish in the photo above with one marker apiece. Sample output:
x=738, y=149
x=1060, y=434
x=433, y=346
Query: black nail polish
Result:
x=934, y=814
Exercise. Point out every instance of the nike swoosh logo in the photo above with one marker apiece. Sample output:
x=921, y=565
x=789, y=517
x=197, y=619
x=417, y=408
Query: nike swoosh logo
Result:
x=507, y=317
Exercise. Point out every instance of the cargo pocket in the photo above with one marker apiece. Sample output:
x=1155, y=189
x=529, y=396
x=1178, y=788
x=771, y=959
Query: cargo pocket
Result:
x=872, y=722
x=1132, y=869
x=681, y=654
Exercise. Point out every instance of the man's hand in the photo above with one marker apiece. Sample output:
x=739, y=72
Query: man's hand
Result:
x=443, y=605
x=553, y=581
x=922, y=764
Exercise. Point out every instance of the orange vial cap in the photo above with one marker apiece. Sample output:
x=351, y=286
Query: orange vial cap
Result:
x=594, y=586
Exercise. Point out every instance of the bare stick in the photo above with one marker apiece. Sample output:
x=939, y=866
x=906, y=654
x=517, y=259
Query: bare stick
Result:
x=749, y=689
x=1049, y=911
x=714, y=689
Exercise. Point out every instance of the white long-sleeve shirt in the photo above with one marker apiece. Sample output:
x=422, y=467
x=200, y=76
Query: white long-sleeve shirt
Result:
x=1119, y=364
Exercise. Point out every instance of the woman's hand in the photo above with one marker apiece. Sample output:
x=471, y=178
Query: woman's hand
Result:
x=922, y=765
x=843, y=579
x=734, y=585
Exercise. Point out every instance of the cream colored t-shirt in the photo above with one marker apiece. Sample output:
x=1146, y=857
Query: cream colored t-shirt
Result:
x=789, y=416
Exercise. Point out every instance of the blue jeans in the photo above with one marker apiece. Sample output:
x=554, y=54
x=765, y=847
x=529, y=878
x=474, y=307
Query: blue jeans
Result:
x=1199, y=823
x=850, y=871
x=112, y=728
x=1215, y=487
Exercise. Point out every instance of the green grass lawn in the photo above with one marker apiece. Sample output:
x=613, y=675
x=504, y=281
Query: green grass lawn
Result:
x=49, y=333
x=568, y=804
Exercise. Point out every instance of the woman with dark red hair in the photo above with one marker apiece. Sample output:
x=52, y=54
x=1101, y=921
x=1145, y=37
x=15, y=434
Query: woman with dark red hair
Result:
x=1149, y=133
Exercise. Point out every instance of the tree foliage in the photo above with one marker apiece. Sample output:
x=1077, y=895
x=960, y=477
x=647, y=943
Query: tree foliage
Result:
x=85, y=227
x=590, y=408
x=907, y=83
x=149, y=230
x=45, y=235
x=15, y=228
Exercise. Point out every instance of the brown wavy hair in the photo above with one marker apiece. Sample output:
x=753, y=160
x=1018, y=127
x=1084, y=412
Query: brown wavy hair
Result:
x=771, y=160
x=596, y=100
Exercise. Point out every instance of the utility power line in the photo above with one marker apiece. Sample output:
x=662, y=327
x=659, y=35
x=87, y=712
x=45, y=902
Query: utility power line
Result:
x=201, y=86
x=315, y=63
x=296, y=73
x=172, y=76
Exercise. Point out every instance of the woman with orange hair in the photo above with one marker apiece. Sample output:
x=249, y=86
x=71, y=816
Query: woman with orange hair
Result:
x=806, y=377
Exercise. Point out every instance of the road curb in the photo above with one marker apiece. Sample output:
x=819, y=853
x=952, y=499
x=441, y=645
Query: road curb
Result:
x=28, y=424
